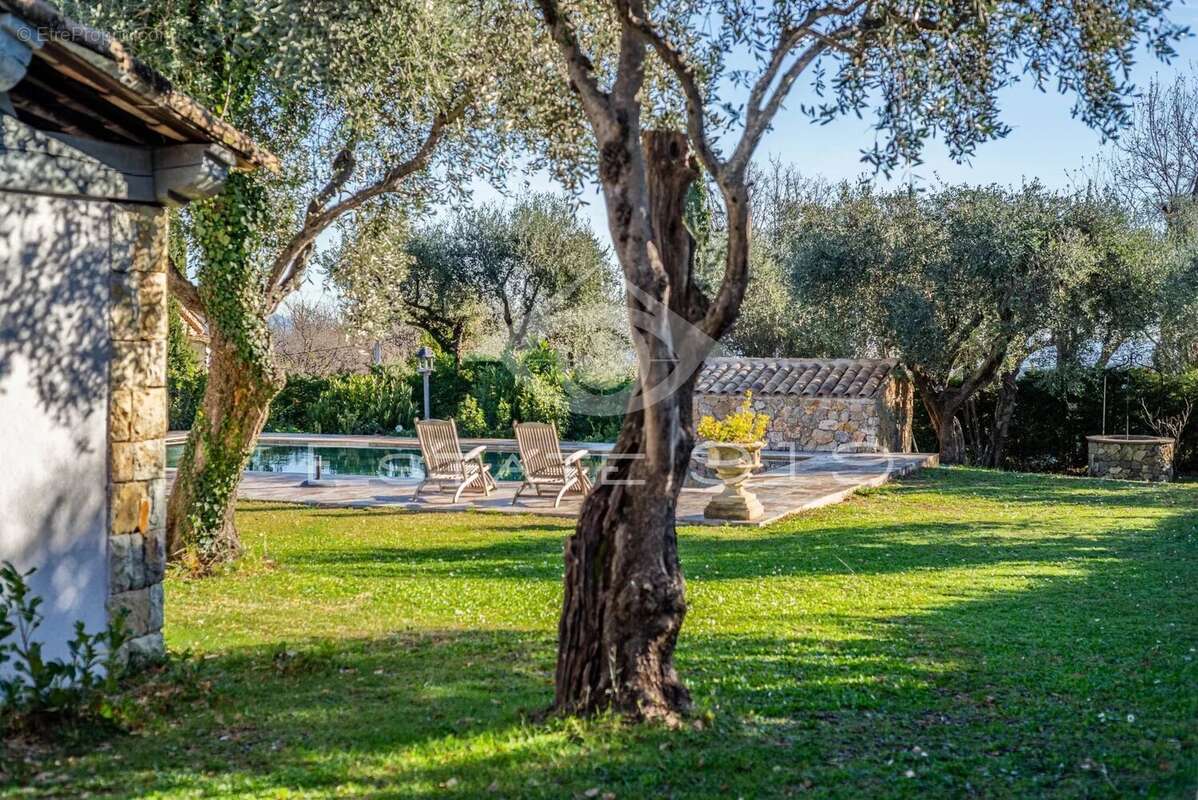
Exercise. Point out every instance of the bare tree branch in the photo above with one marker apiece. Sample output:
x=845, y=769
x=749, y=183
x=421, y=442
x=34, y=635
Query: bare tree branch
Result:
x=1171, y=426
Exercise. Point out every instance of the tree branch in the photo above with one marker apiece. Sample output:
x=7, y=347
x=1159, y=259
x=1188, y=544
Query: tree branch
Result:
x=696, y=126
x=987, y=370
x=183, y=289
x=595, y=101
x=288, y=269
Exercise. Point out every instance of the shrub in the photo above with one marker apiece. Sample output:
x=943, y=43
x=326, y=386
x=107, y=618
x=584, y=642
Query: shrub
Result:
x=469, y=417
x=540, y=400
x=386, y=400
x=43, y=690
x=493, y=386
x=743, y=426
x=378, y=402
x=291, y=409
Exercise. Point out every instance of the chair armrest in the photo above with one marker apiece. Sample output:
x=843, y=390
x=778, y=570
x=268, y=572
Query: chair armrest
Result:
x=577, y=454
x=475, y=453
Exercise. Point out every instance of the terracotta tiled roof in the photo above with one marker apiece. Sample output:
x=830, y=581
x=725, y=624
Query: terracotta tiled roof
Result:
x=98, y=90
x=805, y=377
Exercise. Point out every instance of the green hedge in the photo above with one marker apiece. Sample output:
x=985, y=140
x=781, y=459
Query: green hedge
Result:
x=483, y=395
x=1054, y=414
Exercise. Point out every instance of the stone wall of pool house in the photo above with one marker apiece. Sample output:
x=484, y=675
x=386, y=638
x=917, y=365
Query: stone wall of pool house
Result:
x=1132, y=458
x=837, y=405
x=84, y=210
x=137, y=425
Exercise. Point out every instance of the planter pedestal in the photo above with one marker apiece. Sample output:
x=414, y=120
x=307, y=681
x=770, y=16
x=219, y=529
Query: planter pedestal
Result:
x=734, y=464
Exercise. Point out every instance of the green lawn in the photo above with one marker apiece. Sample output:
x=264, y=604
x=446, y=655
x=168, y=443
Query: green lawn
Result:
x=964, y=633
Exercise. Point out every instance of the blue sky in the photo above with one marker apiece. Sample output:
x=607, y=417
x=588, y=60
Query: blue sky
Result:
x=1045, y=143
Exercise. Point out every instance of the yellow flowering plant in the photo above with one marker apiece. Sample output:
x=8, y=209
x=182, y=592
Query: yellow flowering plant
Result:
x=743, y=426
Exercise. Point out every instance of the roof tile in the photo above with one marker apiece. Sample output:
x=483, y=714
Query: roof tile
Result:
x=846, y=378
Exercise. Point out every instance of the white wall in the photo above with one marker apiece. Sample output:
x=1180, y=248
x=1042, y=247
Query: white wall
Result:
x=54, y=357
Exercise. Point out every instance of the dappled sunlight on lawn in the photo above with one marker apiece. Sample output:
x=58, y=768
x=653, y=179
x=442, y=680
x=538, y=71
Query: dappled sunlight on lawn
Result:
x=963, y=632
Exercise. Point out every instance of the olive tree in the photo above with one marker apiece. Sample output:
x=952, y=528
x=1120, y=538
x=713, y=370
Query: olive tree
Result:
x=731, y=64
x=361, y=101
x=1110, y=295
x=508, y=267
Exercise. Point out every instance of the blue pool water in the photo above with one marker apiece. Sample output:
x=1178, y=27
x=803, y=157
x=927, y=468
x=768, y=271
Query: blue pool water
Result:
x=375, y=462
x=400, y=463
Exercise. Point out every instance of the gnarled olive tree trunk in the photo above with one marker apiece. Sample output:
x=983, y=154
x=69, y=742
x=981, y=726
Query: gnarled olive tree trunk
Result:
x=200, y=526
x=625, y=597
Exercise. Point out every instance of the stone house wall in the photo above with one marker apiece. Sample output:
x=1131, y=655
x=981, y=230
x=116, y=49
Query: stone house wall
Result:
x=836, y=424
x=83, y=411
x=137, y=429
x=84, y=205
x=1134, y=458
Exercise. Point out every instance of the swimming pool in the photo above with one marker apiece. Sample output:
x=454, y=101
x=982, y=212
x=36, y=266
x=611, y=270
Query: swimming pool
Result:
x=399, y=463
x=380, y=461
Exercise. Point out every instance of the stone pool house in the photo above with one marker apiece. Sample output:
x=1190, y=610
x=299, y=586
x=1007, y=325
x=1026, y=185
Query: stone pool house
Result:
x=828, y=405
x=95, y=147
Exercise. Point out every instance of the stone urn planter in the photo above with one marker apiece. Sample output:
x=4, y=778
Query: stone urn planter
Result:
x=1131, y=458
x=734, y=463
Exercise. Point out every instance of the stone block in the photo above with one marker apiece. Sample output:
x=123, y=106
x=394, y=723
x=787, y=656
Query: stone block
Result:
x=125, y=563
x=149, y=460
x=124, y=306
x=135, y=604
x=152, y=315
x=120, y=461
x=156, y=491
x=129, y=508
x=821, y=437
x=137, y=461
x=142, y=651
x=148, y=413
x=150, y=243
x=155, y=555
x=138, y=364
x=157, y=607
x=120, y=411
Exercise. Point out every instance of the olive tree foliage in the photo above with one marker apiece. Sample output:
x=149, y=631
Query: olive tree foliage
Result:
x=776, y=320
x=361, y=101
x=949, y=282
x=965, y=283
x=512, y=269
x=1175, y=339
x=1109, y=296
x=924, y=67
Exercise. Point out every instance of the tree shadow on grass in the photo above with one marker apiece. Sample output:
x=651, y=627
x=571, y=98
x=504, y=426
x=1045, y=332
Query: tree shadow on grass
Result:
x=849, y=543
x=1023, y=487
x=1073, y=684
x=1018, y=693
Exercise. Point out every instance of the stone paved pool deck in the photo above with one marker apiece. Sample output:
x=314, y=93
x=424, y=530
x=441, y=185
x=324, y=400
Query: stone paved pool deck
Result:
x=814, y=481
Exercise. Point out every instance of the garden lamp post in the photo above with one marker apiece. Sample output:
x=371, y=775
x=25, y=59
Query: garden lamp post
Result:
x=425, y=354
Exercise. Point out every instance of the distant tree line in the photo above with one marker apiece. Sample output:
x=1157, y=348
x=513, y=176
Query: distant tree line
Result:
x=968, y=286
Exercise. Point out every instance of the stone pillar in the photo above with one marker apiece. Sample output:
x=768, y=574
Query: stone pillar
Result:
x=137, y=425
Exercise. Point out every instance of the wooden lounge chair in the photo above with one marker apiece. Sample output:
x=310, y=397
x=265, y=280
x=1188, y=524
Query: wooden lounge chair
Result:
x=544, y=465
x=444, y=462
